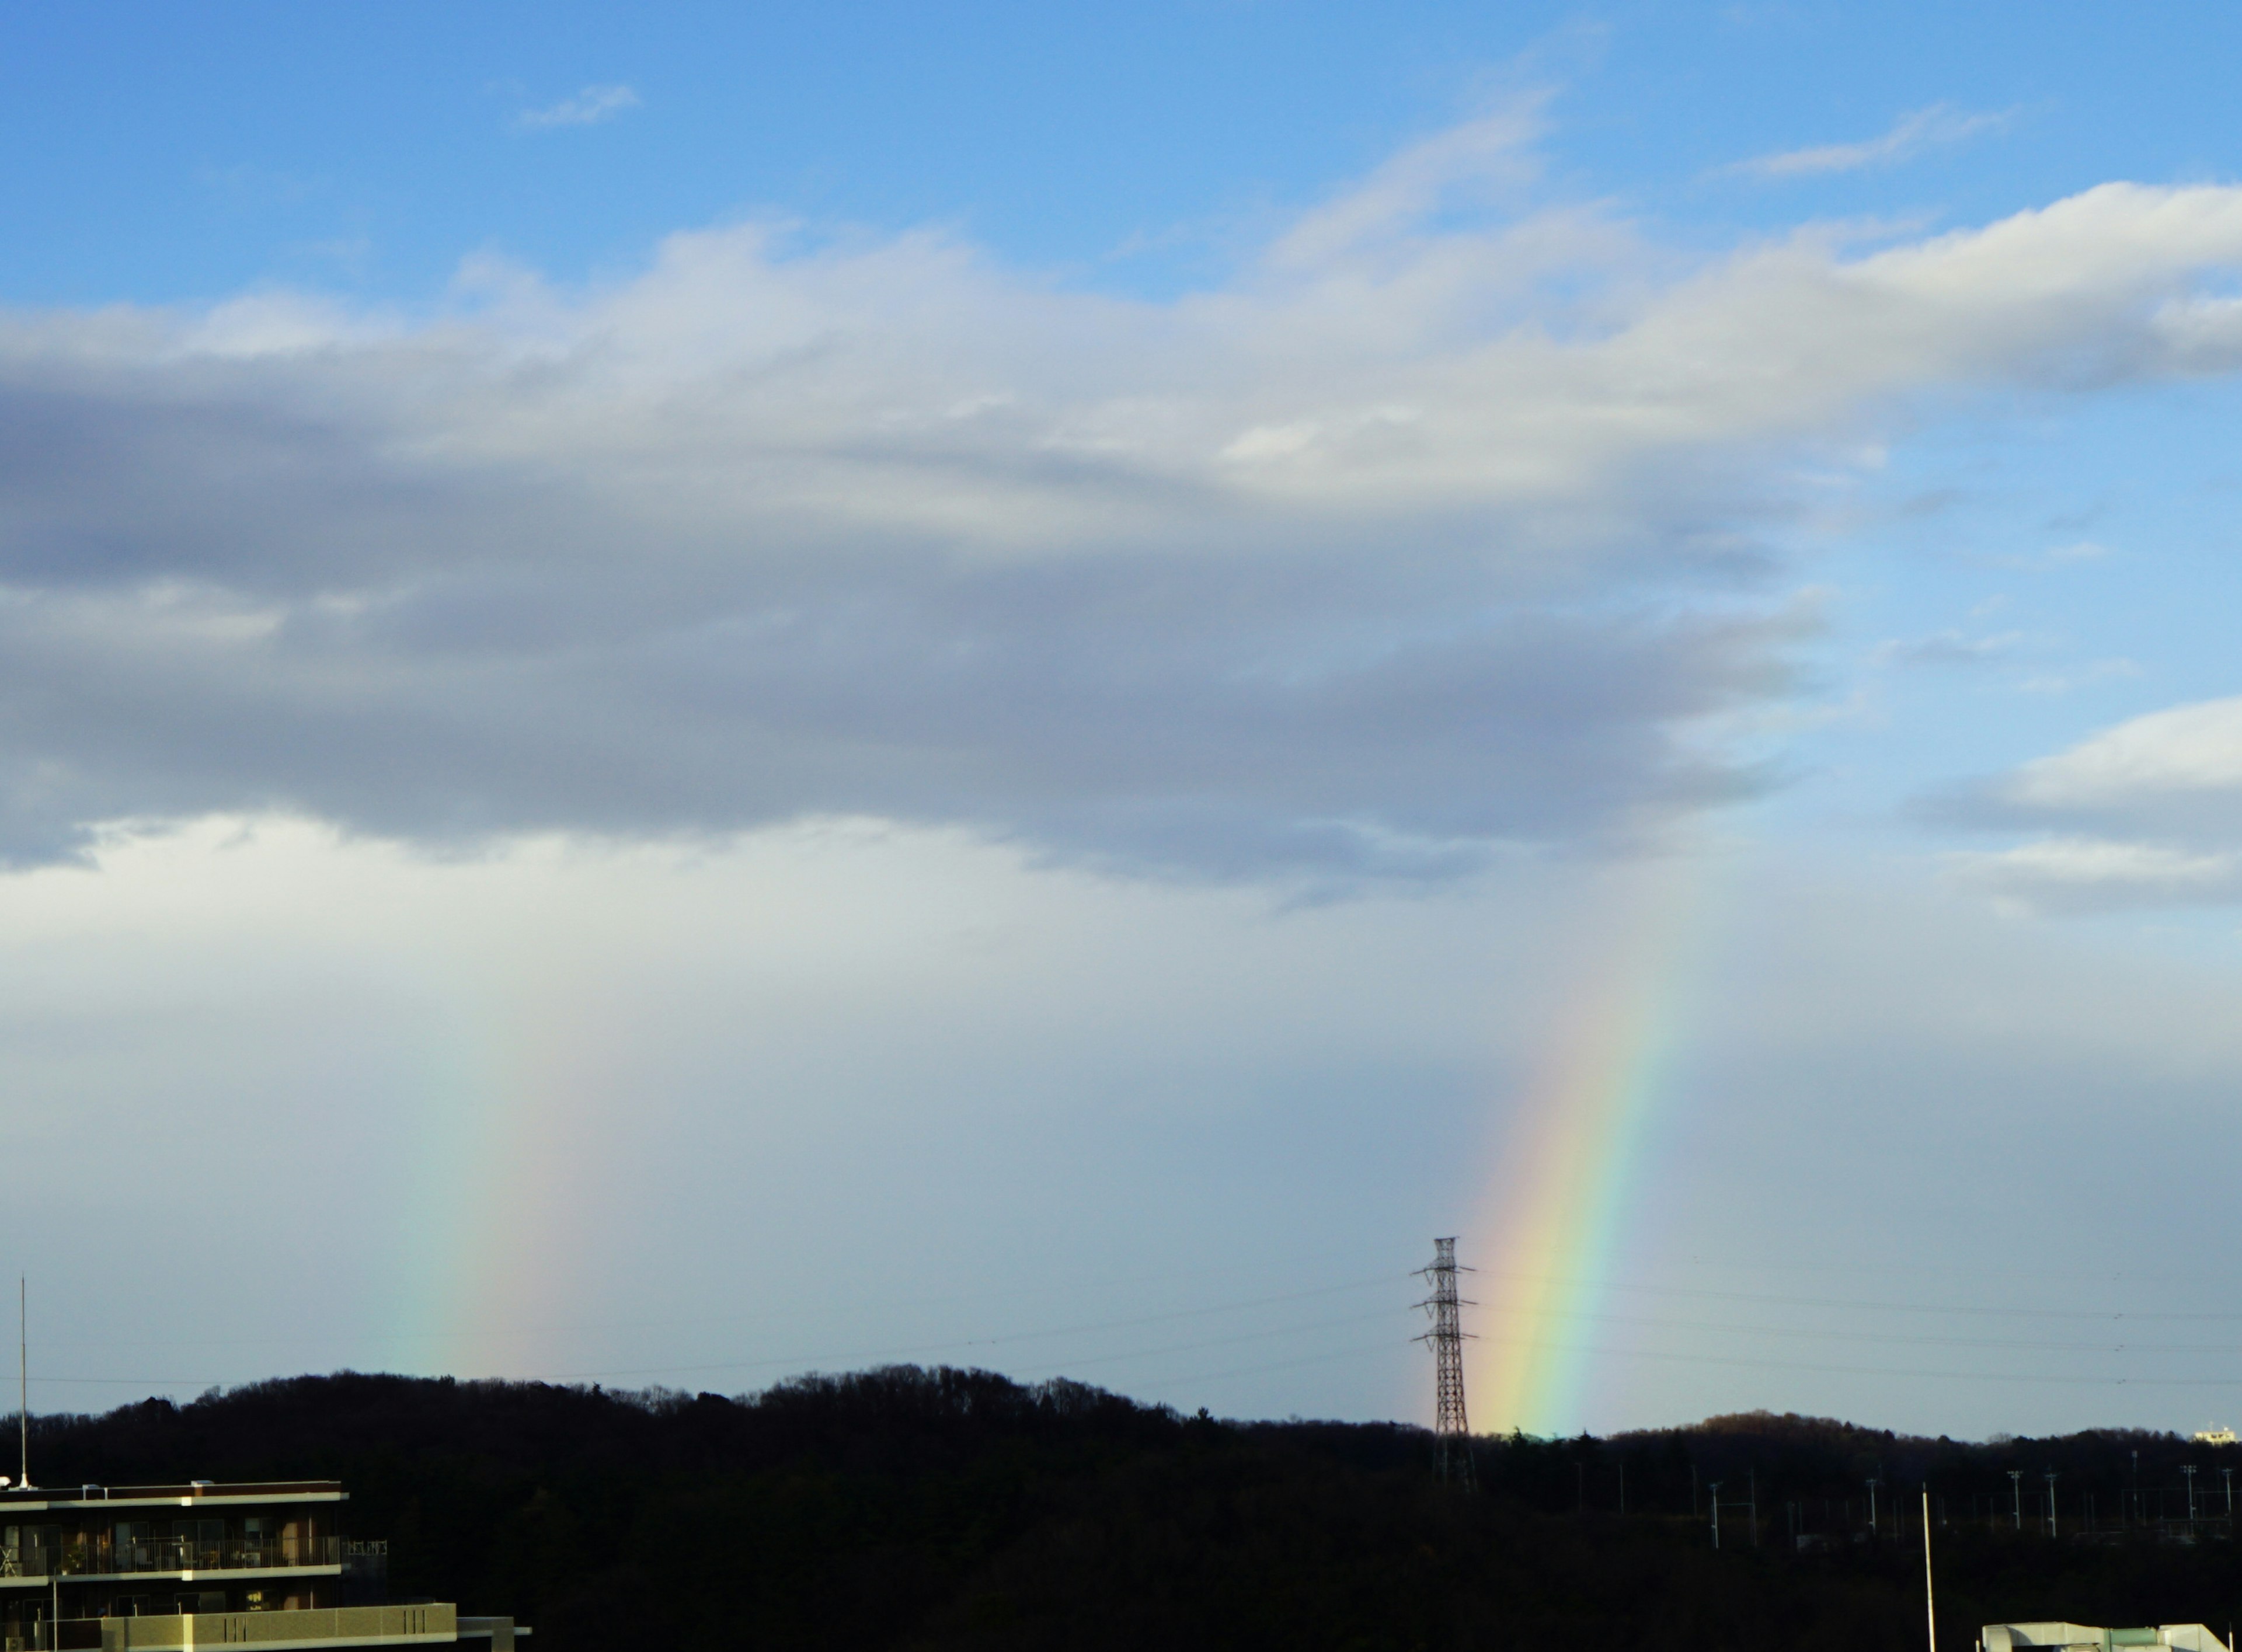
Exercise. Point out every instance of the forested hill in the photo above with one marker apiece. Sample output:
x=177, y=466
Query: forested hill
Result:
x=949, y=1509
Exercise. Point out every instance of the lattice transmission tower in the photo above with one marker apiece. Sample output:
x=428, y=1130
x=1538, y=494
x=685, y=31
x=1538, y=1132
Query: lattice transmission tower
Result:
x=1450, y=1428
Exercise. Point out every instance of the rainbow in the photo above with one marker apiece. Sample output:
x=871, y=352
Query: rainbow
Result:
x=1551, y=1228
x=503, y=1180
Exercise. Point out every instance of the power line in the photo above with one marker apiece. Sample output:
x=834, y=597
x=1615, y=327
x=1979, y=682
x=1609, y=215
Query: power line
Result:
x=1632, y=1288
x=1073, y=1288
x=1874, y=1371
x=1854, y=1306
x=1894, y=1337
x=1810, y=1333
x=1103, y=1325
x=1157, y=1383
x=811, y=1362
x=1218, y=1342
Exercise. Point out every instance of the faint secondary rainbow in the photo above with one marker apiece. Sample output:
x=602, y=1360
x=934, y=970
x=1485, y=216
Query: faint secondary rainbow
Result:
x=1556, y=1215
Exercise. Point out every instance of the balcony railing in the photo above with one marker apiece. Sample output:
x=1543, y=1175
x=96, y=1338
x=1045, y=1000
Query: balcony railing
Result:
x=436, y=1623
x=103, y=1557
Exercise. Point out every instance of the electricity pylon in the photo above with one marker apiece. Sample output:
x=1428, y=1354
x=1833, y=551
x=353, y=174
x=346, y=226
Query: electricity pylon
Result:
x=1450, y=1429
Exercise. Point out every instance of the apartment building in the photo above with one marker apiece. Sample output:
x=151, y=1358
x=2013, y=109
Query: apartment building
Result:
x=155, y=1568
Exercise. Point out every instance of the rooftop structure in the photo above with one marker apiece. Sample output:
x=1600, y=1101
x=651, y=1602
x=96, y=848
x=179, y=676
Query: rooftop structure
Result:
x=2083, y=1638
x=151, y=1568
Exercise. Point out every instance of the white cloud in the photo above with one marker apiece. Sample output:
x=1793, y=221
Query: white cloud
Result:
x=1910, y=135
x=2188, y=750
x=1435, y=531
x=2147, y=811
x=2092, y=672
x=2051, y=560
x=1490, y=156
x=587, y=108
x=1947, y=648
x=2084, y=873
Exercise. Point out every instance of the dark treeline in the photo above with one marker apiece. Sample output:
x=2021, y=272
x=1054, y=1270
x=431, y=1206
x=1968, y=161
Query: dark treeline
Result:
x=2104, y=1479
x=949, y=1509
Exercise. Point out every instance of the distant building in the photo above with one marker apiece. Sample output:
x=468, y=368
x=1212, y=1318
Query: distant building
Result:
x=2216, y=1437
x=2081, y=1637
x=164, y=1568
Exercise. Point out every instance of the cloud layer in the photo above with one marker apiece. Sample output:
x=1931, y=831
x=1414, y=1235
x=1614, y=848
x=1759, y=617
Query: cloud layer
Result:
x=1442, y=529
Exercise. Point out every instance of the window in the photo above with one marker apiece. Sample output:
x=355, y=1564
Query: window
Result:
x=135, y=1549
x=200, y=1543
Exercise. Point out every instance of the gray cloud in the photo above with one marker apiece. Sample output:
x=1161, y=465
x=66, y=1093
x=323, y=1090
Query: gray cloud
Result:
x=272, y=616
x=1946, y=649
x=1377, y=561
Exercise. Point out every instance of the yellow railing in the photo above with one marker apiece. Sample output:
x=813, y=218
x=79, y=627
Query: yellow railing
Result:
x=436, y=1623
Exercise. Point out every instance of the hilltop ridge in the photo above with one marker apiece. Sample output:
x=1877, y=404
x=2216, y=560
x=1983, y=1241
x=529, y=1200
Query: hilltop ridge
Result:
x=948, y=1509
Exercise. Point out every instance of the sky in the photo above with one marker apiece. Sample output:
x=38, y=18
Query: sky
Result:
x=694, y=693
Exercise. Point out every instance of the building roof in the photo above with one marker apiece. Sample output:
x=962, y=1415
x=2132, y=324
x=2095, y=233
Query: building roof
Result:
x=2087, y=1638
x=25, y=1499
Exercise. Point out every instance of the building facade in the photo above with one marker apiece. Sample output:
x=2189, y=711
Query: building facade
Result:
x=2086, y=1637
x=151, y=1568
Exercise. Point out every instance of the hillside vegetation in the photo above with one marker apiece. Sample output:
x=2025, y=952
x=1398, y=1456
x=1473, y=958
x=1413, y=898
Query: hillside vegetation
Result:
x=951, y=1509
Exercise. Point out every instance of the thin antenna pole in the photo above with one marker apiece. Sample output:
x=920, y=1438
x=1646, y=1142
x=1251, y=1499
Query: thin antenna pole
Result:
x=23, y=1372
x=1929, y=1601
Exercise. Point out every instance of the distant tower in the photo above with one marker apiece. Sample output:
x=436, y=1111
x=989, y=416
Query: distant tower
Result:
x=1446, y=1336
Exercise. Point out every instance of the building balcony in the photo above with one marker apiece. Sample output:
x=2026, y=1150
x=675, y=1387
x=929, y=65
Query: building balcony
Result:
x=335, y=1628
x=172, y=1557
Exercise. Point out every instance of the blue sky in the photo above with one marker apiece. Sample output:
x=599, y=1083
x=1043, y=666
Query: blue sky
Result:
x=163, y=154
x=1022, y=655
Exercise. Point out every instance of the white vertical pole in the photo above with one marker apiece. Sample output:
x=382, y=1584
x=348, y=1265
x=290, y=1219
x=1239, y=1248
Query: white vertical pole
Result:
x=1930, y=1602
x=24, y=1371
